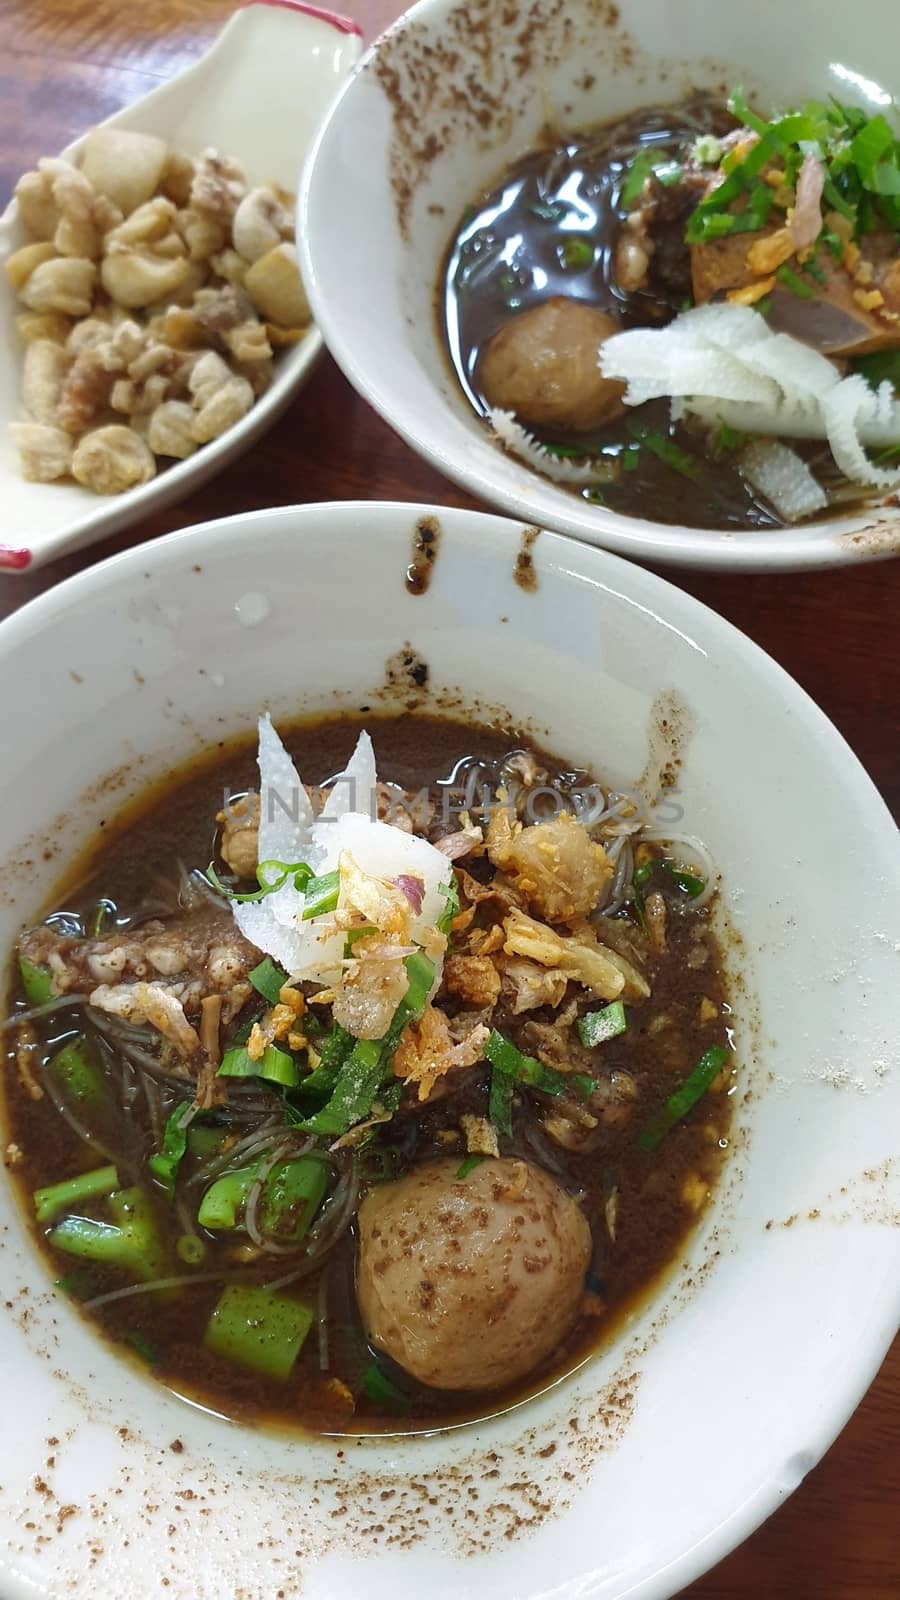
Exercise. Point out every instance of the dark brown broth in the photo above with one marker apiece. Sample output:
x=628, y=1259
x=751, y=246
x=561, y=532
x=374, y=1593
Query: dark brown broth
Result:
x=506, y=257
x=652, y=1221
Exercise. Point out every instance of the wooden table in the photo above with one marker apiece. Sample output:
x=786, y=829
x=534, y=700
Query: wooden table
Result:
x=66, y=63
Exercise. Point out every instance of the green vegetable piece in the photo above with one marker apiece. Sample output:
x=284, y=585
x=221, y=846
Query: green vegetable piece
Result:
x=36, y=981
x=837, y=202
x=133, y=1210
x=275, y=1065
x=362, y=1071
x=873, y=141
x=80, y=1282
x=225, y=1198
x=318, y=1085
x=551, y=212
x=727, y=438
x=293, y=1193
x=793, y=281
x=681, y=1102
x=354, y=1092
x=643, y=873
x=268, y=979
x=576, y=253
x=190, y=1249
x=166, y=1161
x=204, y=1142
x=630, y=457
x=638, y=173
x=321, y=895
x=687, y=882
x=57, y=1197
x=270, y=875
x=668, y=173
x=666, y=450
x=737, y=105
x=76, y=1068
x=500, y=1102
x=382, y=1392
x=584, y=1084
x=883, y=366
x=103, y=912
x=595, y=1027
x=258, y=1329
x=133, y=1243
x=504, y=1056
x=450, y=892
x=143, y=1348
x=469, y=1165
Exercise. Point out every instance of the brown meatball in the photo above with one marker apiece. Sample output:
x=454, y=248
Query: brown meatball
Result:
x=469, y=1283
x=542, y=365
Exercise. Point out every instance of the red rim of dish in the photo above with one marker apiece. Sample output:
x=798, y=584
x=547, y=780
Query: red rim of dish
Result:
x=333, y=18
x=14, y=560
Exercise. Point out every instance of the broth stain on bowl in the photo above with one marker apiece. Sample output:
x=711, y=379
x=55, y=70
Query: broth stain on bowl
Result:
x=524, y=571
x=426, y=543
x=473, y=80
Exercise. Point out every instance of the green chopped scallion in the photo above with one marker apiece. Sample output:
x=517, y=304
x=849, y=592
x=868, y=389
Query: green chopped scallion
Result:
x=164, y=1164
x=364, y=1068
x=687, y=882
x=382, y=1392
x=450, y=893
x=576, y=253
x=595, y=1027
x=275, y=1065
x=684, y=1099
x=793, y=281
x=500, y=1102
x=321, y=895
x=268, y=979
x=505, y=1058
x=666, y=450
x=469, y=1165
x=143, y=1348
x=640, y=170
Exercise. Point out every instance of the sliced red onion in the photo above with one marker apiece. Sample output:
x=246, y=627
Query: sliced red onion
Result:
x=413, y=888
x=806, y=218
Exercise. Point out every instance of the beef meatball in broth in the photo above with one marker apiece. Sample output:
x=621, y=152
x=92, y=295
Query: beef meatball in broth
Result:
x=542, y=365
x=469, y=1283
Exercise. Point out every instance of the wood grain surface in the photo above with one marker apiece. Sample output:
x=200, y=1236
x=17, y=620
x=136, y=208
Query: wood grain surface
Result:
x=66, y=63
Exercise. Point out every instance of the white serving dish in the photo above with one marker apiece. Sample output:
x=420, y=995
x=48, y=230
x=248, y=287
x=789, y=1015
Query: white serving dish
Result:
x=390, y=174
x=645, y=1468
x=257, y=94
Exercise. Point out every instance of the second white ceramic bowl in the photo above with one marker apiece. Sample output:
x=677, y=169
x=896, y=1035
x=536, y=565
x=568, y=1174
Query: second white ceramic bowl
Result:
x=436, y=111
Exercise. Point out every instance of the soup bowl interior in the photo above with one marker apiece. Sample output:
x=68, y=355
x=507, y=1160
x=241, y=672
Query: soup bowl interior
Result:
x=647, y=1465
x=435, y=112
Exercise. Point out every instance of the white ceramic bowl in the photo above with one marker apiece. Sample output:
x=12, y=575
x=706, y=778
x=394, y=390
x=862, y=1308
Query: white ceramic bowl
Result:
x=652, y=1462
x=257, y=94
x=436, y=111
